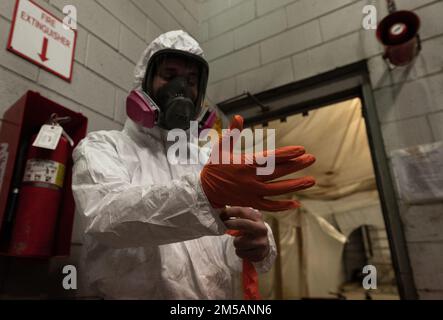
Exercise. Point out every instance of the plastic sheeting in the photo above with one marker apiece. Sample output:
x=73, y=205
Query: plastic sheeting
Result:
x=311, y=239
x=309, y=264
x=336, y=135
x=418, y=173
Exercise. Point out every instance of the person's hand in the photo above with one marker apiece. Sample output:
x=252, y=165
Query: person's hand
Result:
x=239, y=185
x=251, y=234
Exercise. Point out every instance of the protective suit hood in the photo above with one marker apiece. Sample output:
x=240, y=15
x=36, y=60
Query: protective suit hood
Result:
x=173, y=40
x=175, y=44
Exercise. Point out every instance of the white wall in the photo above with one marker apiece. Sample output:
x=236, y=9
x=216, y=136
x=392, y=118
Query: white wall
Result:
x=261, y=44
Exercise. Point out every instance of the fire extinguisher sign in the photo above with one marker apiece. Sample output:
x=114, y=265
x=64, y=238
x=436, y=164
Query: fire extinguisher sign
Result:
x=42, y=38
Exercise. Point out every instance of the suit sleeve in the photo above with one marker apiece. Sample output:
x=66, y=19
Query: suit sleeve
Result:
x=121, y=215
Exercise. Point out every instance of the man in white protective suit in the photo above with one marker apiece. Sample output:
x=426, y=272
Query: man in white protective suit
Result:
x=151, y=228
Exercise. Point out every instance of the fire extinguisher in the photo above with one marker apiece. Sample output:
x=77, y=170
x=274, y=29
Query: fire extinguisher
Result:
x=40, y=196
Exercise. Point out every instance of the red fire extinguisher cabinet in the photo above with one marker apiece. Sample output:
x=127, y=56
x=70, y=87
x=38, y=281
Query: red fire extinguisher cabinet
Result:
x=20, y=122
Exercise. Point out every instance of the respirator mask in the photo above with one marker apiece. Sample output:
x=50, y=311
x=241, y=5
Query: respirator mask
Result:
x=172, y=106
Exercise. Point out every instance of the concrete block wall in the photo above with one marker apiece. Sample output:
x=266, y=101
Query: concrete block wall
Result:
x=264, y=44
x=409, y=104
x=111, y=36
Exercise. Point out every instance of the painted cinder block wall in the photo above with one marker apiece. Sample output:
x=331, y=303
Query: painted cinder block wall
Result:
x=256, y=45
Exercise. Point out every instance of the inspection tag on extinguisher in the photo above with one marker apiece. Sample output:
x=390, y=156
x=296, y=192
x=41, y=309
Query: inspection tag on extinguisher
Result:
x=48, y=137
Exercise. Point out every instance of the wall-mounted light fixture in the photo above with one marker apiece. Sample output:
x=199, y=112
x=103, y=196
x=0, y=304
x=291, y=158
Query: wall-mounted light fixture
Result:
x=398, y=32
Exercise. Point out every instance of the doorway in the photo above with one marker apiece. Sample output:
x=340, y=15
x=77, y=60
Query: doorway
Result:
x=334, y=117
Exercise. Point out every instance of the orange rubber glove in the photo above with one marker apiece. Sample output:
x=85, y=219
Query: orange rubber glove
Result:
x=239, y=185
x=249, y=276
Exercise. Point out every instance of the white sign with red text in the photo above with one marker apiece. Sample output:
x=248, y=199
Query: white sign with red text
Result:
x=42, y=38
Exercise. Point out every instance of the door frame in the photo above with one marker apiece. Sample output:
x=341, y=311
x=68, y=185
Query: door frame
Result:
x=329, y=88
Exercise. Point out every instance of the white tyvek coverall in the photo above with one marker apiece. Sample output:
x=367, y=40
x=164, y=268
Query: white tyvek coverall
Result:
x=150, y=230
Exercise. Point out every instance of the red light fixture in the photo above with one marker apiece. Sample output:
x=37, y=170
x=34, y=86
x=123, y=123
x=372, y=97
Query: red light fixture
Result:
x=398, y=32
